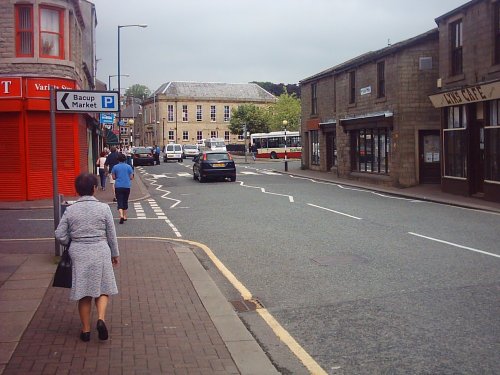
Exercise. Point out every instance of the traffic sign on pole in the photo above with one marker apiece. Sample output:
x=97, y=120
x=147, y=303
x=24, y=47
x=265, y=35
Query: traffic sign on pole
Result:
x=87, y=101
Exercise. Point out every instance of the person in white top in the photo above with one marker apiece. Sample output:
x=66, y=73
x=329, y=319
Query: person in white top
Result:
x=102, y=170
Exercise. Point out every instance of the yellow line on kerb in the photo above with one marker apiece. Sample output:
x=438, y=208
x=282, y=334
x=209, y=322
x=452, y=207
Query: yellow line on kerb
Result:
x=294, y=346
x=282, y=333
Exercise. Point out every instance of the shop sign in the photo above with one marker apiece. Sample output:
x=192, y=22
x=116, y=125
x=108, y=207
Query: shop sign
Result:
x=10, y=87
x=469, y=94
x=40, y=87
x=107, y=118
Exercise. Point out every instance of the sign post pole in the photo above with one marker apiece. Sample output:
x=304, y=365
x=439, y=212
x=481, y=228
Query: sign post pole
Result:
x=55, y=188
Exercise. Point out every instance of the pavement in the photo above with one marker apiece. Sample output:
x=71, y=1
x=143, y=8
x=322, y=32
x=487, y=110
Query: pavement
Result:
x=169, y=316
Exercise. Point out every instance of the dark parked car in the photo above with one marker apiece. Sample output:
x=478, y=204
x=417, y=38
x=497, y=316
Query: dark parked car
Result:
x=214, y=165
x=142, y=156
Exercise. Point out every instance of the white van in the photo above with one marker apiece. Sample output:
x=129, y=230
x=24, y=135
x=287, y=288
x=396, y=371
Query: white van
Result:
x=172, y=151
x=215, y=144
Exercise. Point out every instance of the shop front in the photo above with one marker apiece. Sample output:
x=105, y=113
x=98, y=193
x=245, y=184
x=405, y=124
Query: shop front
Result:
x=26, y=140
x=471, y=140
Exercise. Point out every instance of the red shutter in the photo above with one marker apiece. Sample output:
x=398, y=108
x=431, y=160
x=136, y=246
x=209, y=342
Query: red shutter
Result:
x=39, y=155
x=12, y=173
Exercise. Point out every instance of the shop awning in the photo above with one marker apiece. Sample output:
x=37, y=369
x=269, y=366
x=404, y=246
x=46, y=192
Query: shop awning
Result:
x=111, y=138
x=368, y=121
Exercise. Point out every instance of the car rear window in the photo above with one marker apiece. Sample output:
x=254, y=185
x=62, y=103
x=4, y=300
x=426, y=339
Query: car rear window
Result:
x=218, y=156
x=142, y=150
x=178, y=148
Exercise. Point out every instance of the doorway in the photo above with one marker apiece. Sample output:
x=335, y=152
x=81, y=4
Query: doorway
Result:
x=429, y=156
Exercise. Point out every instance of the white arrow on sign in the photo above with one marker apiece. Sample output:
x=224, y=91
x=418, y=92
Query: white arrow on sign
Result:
x=87, y=101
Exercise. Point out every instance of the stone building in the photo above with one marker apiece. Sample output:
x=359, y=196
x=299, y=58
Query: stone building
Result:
x=187, y=112
x=469, y=99
x=44, y=44
x=370, y=118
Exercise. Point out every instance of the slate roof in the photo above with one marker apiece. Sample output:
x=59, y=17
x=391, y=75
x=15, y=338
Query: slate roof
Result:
x=375, y=55
x=249, y=92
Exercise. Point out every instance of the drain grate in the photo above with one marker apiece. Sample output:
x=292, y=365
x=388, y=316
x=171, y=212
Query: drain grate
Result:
x=245, y=305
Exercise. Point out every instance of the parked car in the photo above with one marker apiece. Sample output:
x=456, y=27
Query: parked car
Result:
x=213, y=165
x=172, y=151
x=190, y=151
x=142, y=156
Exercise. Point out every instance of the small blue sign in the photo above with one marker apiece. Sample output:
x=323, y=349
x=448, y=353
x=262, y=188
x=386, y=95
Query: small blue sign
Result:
x=108, y=101
x=107, y=118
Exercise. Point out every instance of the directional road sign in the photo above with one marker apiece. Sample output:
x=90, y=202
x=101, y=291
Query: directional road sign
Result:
x=86, y=101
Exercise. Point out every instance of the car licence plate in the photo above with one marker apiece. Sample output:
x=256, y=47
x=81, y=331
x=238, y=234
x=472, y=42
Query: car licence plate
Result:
x=218, y=165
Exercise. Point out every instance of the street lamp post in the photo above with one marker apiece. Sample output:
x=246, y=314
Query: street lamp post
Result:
x=114, y=75
x=119, y=75
x=285, y=123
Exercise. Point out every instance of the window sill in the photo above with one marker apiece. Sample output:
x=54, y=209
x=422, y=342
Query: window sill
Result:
x=455, y=78
x=351, y=105
x=382, y=99
x=371, y=175
x=494, y=69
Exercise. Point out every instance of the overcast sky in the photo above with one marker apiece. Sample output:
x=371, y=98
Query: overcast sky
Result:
x=238, y=41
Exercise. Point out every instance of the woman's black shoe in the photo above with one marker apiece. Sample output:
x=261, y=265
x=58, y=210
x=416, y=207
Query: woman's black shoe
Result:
x=122, y=220
x=103, y=331
x=85, y=336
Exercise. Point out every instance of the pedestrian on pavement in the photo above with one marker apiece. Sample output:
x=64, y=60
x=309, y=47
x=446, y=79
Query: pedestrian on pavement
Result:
x=156, y=154
x=254, y=151
x=123, y=175
x=101, y=164
x=87, y=226
x=111, y=161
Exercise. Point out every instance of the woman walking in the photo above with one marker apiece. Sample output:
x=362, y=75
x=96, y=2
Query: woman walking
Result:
x=102, y=169
x=87, y=225
x=123, y=174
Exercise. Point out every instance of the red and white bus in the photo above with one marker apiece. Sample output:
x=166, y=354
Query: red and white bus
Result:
x=272, y=145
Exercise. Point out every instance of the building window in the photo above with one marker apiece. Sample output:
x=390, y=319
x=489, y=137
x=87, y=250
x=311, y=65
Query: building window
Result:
x=456, y=48
x=352, y=87
x=314, y=147
x=184, y=113
x=185, y=135
x=241, y=137
x=213, y=134
x=24, y=31
x=381, y=79
x=170, y=135
x=227, y=113
x=314, y=99
x=492, y=143
x=212, y=113
x=51, y=33
x=226, y=135
x=199, y=113
x=170, y=113
x=371, y=149
x=497, y=32
x=455, y=142
x=199, y=135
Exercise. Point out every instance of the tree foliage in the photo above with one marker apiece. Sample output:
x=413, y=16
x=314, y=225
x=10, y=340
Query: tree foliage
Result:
x=279, y=88
x=287, y=107
x=253, y=116
x=138, y=91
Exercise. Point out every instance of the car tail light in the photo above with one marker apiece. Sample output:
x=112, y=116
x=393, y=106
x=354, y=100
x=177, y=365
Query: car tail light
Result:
x=204, y=156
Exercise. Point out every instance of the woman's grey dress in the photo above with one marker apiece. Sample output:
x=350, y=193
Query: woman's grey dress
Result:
x=90, y=226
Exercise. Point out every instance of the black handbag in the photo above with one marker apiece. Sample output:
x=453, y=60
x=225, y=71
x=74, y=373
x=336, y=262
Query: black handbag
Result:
x=63, y=277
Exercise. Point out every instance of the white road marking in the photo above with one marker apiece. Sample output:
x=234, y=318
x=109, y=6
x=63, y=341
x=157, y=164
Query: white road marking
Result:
x=166, y=192
x=337, y=212
x=456, y=245
x=263, y=190
x=184, y=174
x=356, y=189
x=248, y=172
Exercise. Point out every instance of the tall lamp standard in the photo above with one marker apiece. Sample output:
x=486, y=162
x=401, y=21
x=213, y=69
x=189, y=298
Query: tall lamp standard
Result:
x=114, y=75
x=285, y=123
x=119, y=75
